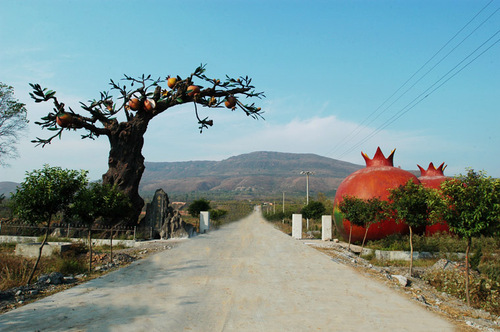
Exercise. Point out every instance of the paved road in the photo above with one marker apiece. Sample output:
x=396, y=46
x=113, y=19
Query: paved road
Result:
x=246, y=276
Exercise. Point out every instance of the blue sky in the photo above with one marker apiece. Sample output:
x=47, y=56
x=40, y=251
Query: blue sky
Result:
x=333, y=73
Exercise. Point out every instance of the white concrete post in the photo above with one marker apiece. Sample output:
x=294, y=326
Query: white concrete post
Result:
x=326, y=228
x=204, y=221
x=297, y=226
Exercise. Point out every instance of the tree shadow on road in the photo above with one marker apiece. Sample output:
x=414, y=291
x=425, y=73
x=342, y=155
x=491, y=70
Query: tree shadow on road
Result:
x=81, y=316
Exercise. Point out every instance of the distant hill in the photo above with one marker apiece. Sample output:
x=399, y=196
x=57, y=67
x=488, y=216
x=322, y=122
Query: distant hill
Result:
x=7, y=188
x=252, y=173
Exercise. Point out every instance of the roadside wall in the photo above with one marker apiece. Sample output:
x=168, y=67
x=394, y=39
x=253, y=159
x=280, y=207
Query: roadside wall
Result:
x=31, y=239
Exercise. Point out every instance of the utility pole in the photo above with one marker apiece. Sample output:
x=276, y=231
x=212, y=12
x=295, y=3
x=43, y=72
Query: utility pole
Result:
x=307, y=173
x=283, y=221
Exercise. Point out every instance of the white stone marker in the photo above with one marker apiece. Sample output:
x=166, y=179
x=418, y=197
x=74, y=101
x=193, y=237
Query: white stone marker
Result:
x=326, y=228
x=297, y=226
x=204, y=221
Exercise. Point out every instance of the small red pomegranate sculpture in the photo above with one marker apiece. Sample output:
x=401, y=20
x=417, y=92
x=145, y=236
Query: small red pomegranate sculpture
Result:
x=432, y=178
x=374, y=180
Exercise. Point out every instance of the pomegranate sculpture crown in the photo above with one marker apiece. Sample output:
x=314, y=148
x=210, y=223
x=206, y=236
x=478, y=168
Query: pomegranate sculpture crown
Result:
x=432, y=170
x=379, y=159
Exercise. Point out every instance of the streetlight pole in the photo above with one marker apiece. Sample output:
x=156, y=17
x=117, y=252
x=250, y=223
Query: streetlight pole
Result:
x=307, y=173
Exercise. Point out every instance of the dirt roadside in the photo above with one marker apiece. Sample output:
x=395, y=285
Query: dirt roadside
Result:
x=20, y=296
x=470, y=319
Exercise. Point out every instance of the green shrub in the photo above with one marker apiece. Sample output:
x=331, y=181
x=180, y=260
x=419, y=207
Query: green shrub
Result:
x=369, y=256
x=484, y=292
x=278, y=216
x=70, y=266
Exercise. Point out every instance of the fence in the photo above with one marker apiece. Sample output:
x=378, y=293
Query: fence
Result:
x=74, y=231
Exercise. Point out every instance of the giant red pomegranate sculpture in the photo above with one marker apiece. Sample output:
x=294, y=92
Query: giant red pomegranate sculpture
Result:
x=432, y=178
x=374, y=180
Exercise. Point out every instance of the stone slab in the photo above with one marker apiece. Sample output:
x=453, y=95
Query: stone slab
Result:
x=326, y=228
x=49, y=249
x=204, y=221
x=297, y=226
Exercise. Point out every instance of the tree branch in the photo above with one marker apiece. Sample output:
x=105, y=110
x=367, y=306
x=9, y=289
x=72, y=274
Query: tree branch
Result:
x=103, y=109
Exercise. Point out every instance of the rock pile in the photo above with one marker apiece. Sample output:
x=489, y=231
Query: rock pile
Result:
x=45, y=283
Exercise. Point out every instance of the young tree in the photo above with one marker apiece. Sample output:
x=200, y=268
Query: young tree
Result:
x=353, y=208
x=114, y=209
x=313, y=210
x=374, y=211
x=43, y=194
x=410, y=204
x=98, y=201
x=471, y=207
x=138, y=102
x=12, y=121
x=362, y=213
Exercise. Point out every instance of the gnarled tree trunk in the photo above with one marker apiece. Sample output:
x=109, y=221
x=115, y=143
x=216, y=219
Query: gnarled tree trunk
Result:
x=126, y=162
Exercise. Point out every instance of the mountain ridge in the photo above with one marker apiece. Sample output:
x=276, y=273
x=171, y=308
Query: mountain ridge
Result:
x=254, y=173
x=257, y=172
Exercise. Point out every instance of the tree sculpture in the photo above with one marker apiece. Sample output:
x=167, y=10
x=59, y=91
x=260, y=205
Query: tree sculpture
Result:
x=139, y=102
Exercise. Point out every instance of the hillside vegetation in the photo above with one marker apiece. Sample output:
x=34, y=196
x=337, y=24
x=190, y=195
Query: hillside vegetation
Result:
x=252, y=174
x=257, y=174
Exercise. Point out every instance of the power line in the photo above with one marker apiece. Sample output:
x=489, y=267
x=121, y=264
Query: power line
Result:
x=358, y=129
x=427, y=93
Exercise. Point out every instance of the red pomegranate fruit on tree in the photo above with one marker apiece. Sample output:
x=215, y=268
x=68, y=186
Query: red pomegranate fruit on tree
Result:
x=432, y=178
x=64, y=120
x=374, y=180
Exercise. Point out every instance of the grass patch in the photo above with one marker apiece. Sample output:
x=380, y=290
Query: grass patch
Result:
x=15, y=270
x=484, y=292
x=489, y=265
x=444, y=243
x=7, y=247
x=70, y=266
x=107, y=247
x=400, y=263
